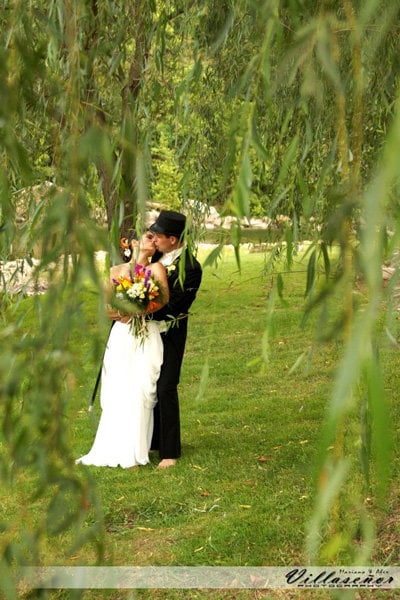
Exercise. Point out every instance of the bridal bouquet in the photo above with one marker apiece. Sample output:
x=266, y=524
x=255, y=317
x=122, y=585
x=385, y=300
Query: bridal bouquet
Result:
x=136, y=294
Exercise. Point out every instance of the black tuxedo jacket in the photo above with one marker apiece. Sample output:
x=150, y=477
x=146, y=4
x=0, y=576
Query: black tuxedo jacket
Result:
x=183, y=282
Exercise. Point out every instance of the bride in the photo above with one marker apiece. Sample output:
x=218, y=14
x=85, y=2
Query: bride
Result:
x=131, y=367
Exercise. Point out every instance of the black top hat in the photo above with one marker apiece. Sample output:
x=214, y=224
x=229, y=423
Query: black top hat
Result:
x=169, y=222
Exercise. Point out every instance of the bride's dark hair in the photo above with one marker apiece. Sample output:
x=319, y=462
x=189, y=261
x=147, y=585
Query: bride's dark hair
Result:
x=126, y=248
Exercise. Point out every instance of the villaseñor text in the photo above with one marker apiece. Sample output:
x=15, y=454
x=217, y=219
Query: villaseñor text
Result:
x=302, y=577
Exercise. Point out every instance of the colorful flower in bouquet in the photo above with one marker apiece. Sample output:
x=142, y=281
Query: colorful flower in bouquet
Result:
x=136, y=294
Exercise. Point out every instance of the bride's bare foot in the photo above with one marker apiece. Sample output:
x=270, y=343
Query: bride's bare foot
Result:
x=167, y=462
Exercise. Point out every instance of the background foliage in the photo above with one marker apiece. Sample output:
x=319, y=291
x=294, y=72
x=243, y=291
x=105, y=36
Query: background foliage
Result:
x=259, y=108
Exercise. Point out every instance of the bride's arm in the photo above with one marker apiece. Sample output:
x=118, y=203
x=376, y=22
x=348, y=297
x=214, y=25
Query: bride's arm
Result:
x=159, y=272
x=112, y=313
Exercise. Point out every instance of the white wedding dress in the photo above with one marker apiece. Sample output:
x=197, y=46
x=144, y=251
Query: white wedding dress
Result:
x=127, y=397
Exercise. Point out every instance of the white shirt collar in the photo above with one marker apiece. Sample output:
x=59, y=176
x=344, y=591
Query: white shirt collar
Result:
x=168, y=258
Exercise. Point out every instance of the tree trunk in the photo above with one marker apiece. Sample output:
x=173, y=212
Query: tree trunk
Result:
x=97, y=117
x=141, y=16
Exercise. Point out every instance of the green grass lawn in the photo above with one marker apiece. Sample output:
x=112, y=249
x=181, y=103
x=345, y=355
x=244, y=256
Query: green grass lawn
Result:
x=244, y=490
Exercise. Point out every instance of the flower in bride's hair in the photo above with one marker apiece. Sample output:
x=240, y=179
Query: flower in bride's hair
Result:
x=126, y=247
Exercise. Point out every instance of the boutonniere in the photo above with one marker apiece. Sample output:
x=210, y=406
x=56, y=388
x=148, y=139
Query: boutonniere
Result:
x=170, y=269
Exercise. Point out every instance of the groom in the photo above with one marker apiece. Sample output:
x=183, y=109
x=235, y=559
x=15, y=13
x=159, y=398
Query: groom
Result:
x=184, y=277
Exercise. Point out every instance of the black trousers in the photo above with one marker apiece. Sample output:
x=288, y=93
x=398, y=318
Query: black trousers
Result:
x=167, y=433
